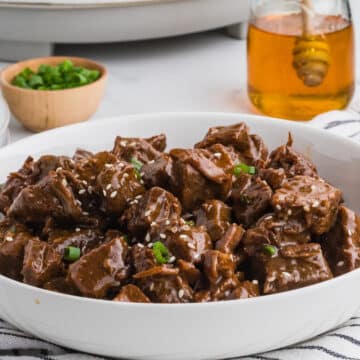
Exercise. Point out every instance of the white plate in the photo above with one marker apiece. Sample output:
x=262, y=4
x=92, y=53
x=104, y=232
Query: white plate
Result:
x=191, y=331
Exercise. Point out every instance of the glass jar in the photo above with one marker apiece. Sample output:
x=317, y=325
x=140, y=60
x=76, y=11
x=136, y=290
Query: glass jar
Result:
x=300, y=57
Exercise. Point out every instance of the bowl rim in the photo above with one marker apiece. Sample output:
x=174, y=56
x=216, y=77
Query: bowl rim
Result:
x=166, y=115
x=43, y=60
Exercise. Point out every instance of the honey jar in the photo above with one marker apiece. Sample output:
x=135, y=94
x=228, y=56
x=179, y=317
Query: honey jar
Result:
x=300, y=57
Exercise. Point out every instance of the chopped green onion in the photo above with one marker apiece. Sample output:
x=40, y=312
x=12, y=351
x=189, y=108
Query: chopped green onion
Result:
x=161, y=252
x=270, y=250
x=190, y=222
x=136, y=164
x=244, y=169
x=72, y=253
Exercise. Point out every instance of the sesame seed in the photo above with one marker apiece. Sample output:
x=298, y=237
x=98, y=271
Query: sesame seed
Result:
x=278, y=207
x=340, y=263
x=217, y=155
x=64, y=182
x=153, y=223
x=113, y=194
x=255, y=282
x=183, y=236
x=147, y=237
x=293, y=262
x=104, y=192
x=197, y=256
x=286, y=274
x=82, y=191
x=9, y=238
x=167, y=222
x=126, y=175
x=162, y=236
x=140, y=245
x=306, y=208
x=227, y=293
x=172, y=259
x=174, y=229
x=108, y=187
x=151, y=162
x=108, y=166
x=132, y=144
x=85, y=213
x=151, y=286
x=313, y=187
x=58, y=169
x=78, y=202
x=147, y=213
x=315, y=204
x=289, y=212
x=268, y=217
x=150, y=245
x=138, y=197
x=181, y=293
x=142, y=173
x=123, y=143
x=191, y=246
x=350, y=233
x=84, y=182
x=77, y=229
x=93, y=177
x=90, y=189
x=142, y=182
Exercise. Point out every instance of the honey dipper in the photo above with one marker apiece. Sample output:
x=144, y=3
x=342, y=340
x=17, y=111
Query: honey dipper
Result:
x=311, y=53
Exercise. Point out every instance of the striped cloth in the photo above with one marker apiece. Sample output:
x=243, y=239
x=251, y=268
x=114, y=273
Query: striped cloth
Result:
x=341, y=343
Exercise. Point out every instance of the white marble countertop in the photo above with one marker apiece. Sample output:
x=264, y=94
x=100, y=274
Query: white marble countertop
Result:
x=201, y=72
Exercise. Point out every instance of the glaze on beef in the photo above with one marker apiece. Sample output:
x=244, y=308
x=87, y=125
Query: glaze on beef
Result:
x=220, y=221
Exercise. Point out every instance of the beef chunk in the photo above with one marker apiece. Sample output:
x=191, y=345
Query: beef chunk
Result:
x=231, y=239
x=311, y=199
x=81, y=154
x=131, y=293
x=250, y=148
x=14, y=237
x=158, y=172
x=276, y=231
x=229, y=289
x=197, y=178
x=85, y=239
x=164, y=285
x=189, y=272
x=341, y=244
x=41, y=263
x=142, y=258
x=217, y=266
x=291, y=161
x=251, y=198
x=62, y=285
x=101, y=270
x=143, y=150
x=225, y=157
x=119, y=184
x=274, y=177
x=215, y=216
x=155, y=209
x=51, y=197
x=189, y=243
x=293, y=267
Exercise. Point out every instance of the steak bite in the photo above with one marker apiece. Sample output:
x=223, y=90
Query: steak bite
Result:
x=152, y=213
x=131, y=293
x=215, y=216
x=84, y=239
x=101, y=270
x=292, y=267
x=189, y=243
x=250, y=148
x=118, y=185
x=251, y=198
x=230, y=241
x=197, y=178
x=143, y=150
x=291, y=161
x=158, y=172
x=276, y=231
x=14, y=238
x=41, y=263
x=311, y=199
x=341, y=245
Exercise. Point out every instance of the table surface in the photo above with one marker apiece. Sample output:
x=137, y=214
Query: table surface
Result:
x=201, y=72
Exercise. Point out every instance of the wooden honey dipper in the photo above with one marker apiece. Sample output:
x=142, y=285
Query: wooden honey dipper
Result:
x=311, y=52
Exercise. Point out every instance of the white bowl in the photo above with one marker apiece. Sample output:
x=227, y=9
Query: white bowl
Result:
x=4, y=122
x=187, y=331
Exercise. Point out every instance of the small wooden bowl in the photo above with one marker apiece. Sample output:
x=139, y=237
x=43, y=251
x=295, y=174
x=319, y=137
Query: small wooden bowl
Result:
x=40, y=110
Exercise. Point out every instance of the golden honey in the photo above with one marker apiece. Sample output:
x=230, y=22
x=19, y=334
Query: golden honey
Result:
x=273, y=85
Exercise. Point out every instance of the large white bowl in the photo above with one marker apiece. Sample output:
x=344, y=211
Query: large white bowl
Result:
x=191, y=331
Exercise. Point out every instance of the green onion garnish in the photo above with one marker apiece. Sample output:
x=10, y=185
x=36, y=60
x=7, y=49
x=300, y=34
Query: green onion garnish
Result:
x=72, y=253
x=244, y=169
x=137, y=166
x=161, y=252
x=270, y=250
x=190, y=222
x=63, y=76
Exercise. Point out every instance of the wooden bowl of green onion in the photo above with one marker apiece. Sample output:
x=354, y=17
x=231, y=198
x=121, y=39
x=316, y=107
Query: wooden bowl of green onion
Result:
x=49, y=92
